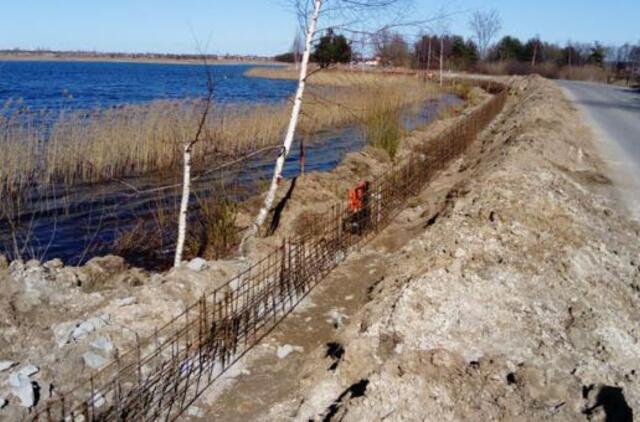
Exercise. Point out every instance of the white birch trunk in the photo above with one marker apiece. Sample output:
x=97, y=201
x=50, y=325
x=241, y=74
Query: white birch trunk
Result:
x=293, y=122
x=184, y=205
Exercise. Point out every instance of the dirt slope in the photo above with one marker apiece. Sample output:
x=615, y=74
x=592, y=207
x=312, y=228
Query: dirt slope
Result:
x=509, y=291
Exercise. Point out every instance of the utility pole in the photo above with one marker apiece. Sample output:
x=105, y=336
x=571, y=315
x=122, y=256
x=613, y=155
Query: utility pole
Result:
x=441, y=58
x=429, y=55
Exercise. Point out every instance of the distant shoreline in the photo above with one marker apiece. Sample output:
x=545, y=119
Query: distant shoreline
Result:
x=149, y=60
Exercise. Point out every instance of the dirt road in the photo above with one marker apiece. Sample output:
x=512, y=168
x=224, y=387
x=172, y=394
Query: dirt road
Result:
x=614, y=114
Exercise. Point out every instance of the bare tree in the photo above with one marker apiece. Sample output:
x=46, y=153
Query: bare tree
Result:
x=485, y=26
x=187, y=156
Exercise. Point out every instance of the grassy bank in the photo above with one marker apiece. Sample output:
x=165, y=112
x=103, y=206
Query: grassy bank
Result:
x=132, y=140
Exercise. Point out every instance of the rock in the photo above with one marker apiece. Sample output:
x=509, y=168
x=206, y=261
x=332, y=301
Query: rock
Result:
x=62, y=332
x=98, y=400
x=22, y=388
x=336, y=318
x=68, y=332
x=4, y=262
x=284, y=351
x=6, y=364
x=103, y=344
x=197, y=264
x=125, y=301
x=3, y=402
x=195, y=412
x=54, y=264
x=94, y=360
x=29, y=370
x=87, y=327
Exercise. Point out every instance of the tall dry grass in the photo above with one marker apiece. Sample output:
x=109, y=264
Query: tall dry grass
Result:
x=101, y=145
x=548, y=70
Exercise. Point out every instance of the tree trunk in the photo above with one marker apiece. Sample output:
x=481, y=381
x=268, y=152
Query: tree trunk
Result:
x=184, y=205
x=293, y=122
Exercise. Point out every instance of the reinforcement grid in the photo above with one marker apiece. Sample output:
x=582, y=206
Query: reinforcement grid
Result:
x=166, y=372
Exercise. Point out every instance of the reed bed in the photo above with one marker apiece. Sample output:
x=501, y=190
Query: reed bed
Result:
x=133, y=140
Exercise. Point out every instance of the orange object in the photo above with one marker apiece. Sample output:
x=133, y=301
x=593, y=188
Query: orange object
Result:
x=356, y=197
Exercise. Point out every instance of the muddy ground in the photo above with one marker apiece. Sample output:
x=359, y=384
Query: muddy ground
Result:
x=509, y=289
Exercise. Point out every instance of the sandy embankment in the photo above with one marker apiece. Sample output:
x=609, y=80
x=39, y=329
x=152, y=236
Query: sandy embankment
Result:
x=509, y=290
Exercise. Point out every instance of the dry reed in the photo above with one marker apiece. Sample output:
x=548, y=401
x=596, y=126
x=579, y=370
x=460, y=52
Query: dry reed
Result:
x=134, y=140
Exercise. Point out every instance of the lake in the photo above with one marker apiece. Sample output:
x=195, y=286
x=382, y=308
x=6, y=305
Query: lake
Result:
x=54, y=86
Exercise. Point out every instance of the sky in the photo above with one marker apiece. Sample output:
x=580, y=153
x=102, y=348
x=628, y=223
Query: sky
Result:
x=266, y=27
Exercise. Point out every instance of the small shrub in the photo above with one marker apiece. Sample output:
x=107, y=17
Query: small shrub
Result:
x=383, y=129
x=462, y=89
x=213, y=233
x=584, y=73
x=147, y=242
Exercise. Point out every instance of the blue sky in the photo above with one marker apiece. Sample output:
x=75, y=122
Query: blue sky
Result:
x=266, y=27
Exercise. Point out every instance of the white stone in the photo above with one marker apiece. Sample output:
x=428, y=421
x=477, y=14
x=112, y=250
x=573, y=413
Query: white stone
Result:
x=87, y=327
x=22, y=388
x=336, y=317
x=125, y=301
x=3, y=402
x=6, y=364
x=103, y=344
x=197, y=264
x=68, y=332
x=94, y=360
x=29, y=370
x=62, y=332
x=98, y=400
x=195, y=411
x=284, y=351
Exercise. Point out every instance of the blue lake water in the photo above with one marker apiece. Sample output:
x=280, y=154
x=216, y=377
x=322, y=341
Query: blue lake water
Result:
x=52, y=86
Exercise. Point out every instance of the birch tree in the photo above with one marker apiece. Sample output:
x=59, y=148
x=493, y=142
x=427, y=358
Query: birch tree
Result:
x=187, y=159
x=309, y=12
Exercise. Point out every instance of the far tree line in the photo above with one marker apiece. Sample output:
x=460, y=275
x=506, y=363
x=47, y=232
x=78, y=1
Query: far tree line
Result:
x=509, y=55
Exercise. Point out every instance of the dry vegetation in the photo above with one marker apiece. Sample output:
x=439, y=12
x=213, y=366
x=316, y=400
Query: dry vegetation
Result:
x=134, y=140
x=548, y=70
